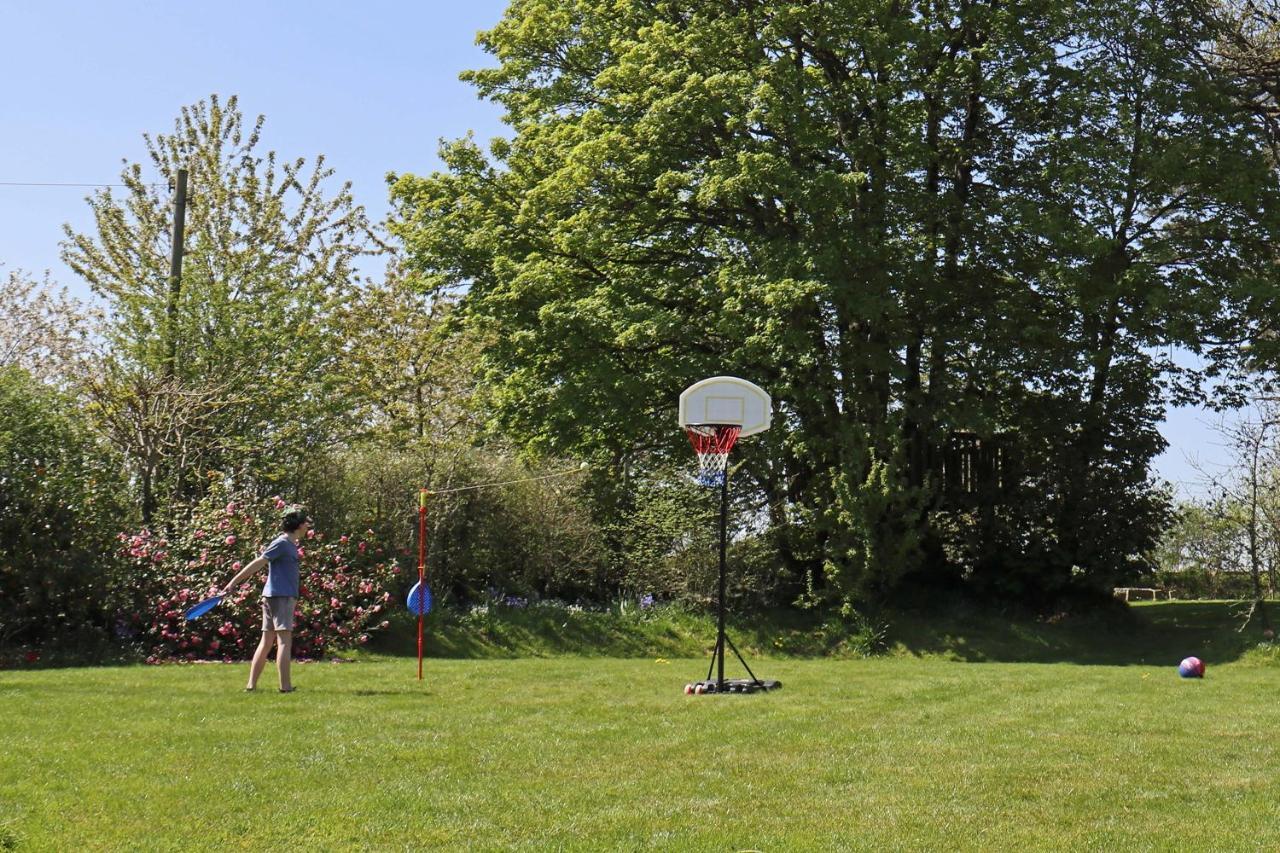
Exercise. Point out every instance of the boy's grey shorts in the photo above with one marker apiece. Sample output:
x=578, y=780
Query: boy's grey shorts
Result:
x=277, y=613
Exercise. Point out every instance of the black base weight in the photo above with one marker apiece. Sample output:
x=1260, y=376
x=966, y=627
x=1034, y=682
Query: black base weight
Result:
x=732, y=685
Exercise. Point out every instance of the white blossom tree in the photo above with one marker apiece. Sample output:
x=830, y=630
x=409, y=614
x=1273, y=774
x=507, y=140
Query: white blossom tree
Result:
x=46, y=332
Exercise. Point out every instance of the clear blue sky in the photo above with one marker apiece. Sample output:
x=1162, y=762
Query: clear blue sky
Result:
x=371, y=85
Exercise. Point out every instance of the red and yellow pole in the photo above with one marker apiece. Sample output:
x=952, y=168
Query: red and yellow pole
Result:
x=422, y=567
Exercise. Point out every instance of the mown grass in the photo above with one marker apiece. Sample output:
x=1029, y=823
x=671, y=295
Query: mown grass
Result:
x=913, y=750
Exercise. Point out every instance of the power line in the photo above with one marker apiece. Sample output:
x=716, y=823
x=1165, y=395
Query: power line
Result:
x=51, y=184
x=578, y=470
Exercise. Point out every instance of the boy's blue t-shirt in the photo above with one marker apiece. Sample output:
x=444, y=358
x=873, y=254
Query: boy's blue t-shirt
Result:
x=282, y=568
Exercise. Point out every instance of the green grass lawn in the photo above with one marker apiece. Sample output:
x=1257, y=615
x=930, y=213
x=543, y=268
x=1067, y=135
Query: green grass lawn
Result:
x=920, y=749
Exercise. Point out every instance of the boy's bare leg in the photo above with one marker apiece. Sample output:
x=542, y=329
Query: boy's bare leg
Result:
x=260, y=658
x=284, y=644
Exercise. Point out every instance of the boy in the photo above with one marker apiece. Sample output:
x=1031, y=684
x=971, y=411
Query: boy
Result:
x=278, y=596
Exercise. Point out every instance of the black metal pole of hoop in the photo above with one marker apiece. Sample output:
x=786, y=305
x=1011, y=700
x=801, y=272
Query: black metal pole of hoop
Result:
x=717, y=656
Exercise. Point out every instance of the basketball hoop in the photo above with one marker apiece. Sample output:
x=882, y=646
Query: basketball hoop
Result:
x=712, y=443
x=715, y=413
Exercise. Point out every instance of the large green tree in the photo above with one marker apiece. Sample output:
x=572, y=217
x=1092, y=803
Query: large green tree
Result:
x=908, y=221
x=230, y=368
x=409, y=383
x=410, y=370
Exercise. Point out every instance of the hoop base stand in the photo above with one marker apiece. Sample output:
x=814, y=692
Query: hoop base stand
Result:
x=729, y=685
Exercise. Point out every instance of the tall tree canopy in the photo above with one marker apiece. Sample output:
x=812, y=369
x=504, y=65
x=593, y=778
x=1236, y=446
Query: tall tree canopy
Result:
x=910, y=222
x=230, y=369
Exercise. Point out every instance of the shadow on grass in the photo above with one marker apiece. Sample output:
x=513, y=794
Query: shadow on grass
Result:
x=539, y=632
x=1146, y=634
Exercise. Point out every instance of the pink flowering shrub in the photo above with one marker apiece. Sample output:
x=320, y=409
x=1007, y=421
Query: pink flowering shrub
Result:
x=346, y=585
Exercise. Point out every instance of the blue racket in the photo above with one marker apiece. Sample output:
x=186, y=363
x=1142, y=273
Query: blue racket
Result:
x=420, y=600
x=203, y=607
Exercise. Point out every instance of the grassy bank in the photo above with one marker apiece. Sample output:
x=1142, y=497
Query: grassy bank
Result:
x=1141, y=634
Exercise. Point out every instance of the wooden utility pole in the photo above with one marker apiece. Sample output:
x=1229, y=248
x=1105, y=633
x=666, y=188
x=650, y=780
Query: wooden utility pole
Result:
x=175, y=270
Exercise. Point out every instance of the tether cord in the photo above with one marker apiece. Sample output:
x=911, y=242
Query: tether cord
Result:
x=504, y=482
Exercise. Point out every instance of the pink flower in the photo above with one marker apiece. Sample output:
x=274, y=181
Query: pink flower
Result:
x=361, y=546
x=333, y=602
x=302, y=552
x=230, y=540
x=231, y=508
x=199, y=534
x=344, y=539
x=279, y=503
x=235, y=567
x=311, y=534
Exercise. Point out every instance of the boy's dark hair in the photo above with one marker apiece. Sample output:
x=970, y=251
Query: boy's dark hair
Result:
x=293, y=518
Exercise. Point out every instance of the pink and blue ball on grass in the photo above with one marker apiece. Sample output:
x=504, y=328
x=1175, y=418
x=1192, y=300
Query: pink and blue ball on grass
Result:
x=1191, y=668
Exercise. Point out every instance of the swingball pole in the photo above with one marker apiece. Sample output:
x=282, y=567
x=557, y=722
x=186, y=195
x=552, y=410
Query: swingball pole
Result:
x=422, y=567
x=422, y=536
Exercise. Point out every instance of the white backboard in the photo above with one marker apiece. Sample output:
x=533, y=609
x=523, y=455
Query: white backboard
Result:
x=726, y=400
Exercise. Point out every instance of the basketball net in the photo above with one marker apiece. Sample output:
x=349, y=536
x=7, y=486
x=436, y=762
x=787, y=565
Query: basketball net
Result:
x=712, y=443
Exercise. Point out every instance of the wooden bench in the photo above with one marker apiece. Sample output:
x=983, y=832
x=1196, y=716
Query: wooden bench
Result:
x=1141, y=593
